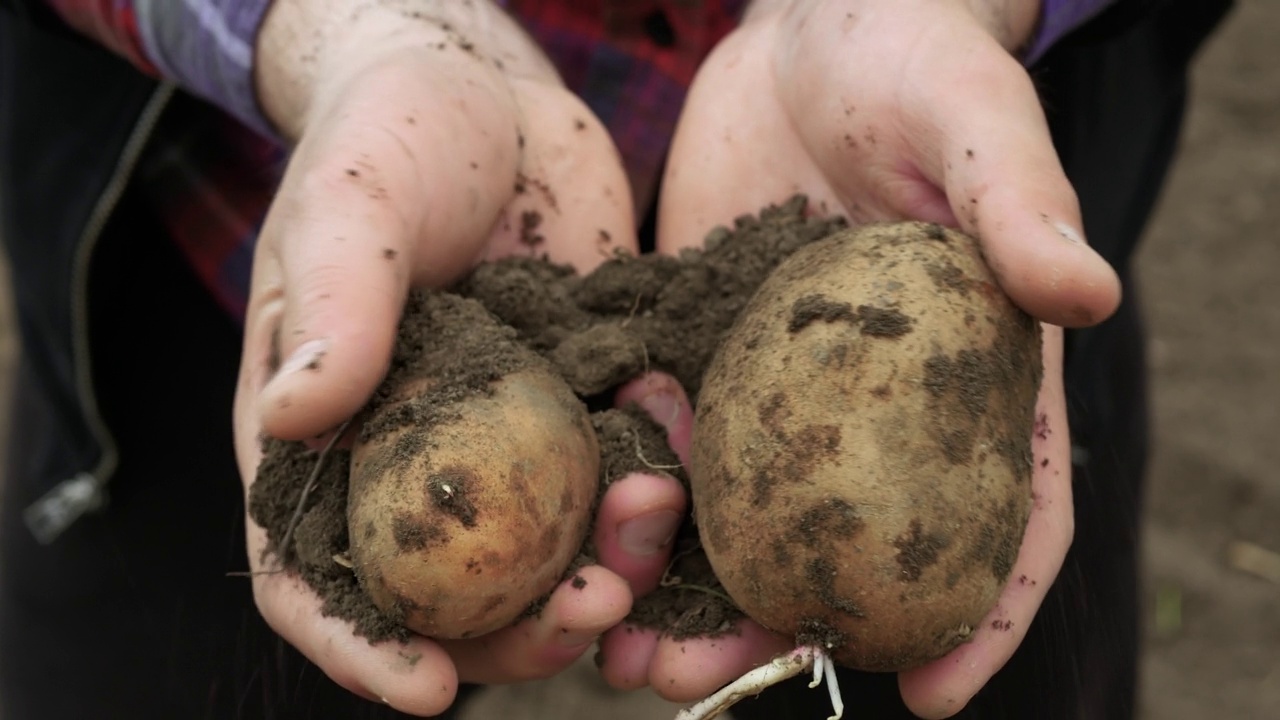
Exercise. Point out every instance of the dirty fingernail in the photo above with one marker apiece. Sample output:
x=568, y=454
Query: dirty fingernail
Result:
x=647, y=534
x=308, y=356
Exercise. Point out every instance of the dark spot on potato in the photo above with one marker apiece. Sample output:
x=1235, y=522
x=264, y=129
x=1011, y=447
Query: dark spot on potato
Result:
x=714, y=534
x=493, y=603
x=934, y=231
x=389, y=253
x=448, y=490
x=819, y=633
x=781, y=552
x=833, y=520
x=821, y=574
x=819, y=442
x=1010, y=522
x=814, y=308
x=411, y=535
x=947, y=277
x=882, y=391
x=474, y=567
x=578, y=582
x=773, y=413
x=918, y=550
x=883, y=322
x=405, y=450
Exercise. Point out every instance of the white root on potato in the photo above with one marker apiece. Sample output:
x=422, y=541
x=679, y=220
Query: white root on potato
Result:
x=783, y=667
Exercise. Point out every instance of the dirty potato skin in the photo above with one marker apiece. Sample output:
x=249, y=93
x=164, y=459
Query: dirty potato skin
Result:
x=861, y=462
x=456, y=530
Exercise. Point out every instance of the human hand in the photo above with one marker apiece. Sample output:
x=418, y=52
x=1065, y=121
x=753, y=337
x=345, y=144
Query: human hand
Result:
x=892, y=109
x=425, y=134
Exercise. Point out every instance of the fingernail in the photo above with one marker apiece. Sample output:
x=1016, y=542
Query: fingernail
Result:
x=663, y=407
x=647, y=534
x=574, y=638
x=308, y=356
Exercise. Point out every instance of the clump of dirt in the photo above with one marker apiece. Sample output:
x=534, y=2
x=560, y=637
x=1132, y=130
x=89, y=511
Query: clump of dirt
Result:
x=598, y=331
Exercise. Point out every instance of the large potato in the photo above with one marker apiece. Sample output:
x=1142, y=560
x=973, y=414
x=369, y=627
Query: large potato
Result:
x=861, y=460
x=458, y=524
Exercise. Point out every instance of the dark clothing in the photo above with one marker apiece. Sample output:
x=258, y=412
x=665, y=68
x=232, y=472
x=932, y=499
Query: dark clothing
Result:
x=130, y=613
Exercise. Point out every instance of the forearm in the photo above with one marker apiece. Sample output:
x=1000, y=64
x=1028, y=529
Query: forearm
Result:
x=307, y=48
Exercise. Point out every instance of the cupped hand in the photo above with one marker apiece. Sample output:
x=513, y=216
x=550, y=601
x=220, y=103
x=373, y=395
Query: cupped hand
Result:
x=421, y=145
x=880, y=110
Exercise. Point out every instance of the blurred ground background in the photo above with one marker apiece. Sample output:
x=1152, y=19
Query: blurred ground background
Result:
x=1208, y=273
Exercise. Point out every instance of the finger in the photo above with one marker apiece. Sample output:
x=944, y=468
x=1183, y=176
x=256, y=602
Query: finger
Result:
x=403, y=185
x=577, y=613
x=637, y=521
x=942, y=688
x=626, y=652
x=718, y=167
x=980, y=133
x=666, y=403
x=687, y=670
x=415, y=677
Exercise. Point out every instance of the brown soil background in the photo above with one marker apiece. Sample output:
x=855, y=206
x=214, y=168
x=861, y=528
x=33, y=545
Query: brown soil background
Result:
x=1209, y=276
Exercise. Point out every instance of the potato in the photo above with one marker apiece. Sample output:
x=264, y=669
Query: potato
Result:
x=861, y=464
x=460, y=521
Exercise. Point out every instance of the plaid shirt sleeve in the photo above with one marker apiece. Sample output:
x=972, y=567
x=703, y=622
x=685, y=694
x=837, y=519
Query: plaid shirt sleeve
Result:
x=1057, y=19
x=206, y=46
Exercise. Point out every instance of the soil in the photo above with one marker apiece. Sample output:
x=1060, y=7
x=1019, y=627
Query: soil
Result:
x=597, y=332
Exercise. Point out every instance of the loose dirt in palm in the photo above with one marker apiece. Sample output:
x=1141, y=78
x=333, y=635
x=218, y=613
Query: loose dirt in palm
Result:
x=629, y=316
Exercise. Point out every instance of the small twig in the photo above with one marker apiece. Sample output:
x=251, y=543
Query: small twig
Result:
x=668, y=579
x=306, y=489
x=640, y=455
x=631, y=315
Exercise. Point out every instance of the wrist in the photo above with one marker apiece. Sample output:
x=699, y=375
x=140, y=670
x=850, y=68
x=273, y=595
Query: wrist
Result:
x=308, y=51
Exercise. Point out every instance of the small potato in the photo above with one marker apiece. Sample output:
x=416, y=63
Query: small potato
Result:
x=861, y=464
x=458, y=524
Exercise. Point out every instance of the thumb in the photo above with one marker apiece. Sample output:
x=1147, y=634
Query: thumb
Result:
x=995, y=158
x=367, y=208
